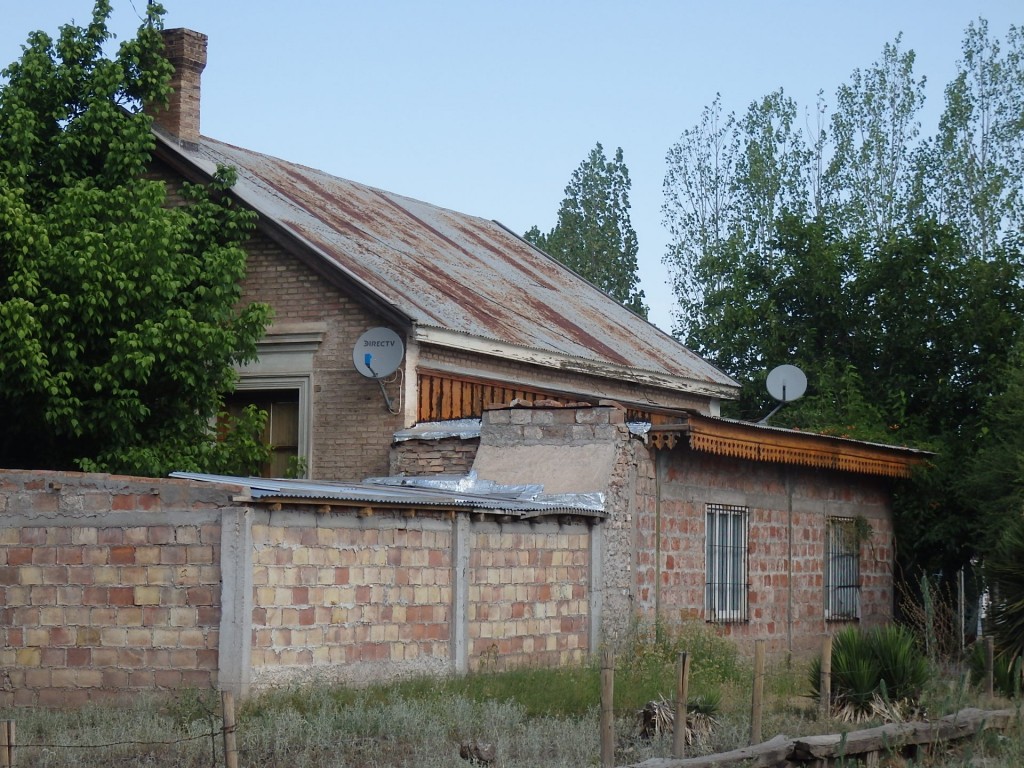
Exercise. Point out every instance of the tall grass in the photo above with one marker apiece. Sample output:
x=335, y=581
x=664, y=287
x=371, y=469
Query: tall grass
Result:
x=535, y=718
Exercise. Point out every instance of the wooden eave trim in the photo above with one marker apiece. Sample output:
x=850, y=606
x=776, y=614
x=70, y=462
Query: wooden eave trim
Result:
x=808, y=450
x=441, y=337
x=537, y=387
x=287, y=239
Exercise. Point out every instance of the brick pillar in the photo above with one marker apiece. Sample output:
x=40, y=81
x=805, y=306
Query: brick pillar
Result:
x=186, y=50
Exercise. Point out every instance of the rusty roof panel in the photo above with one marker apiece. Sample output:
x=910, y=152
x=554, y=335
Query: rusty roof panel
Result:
x=453, y=271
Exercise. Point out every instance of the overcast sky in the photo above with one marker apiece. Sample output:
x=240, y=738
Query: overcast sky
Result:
x=487, y=107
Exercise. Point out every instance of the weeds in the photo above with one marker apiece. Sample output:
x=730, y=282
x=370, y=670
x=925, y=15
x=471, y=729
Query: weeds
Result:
x=536, y=718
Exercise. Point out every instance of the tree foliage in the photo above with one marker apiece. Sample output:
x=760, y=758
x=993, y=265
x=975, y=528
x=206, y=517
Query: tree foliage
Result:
x=885, y=264
x=593, y=235
x=118, y=321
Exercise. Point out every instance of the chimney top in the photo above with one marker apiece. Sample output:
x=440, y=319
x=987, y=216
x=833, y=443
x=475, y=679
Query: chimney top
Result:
x=186, y=50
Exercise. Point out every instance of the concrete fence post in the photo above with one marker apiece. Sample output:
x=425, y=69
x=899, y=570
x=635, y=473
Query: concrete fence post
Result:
x=236, y=601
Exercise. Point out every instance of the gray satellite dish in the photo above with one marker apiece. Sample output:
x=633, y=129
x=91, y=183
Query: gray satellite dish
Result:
x=378, y=353
x=786, y=383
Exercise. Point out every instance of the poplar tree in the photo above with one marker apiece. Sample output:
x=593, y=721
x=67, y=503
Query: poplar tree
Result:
x=594, y=235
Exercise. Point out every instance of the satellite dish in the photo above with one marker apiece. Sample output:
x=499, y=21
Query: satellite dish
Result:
x=786, y=383
x=378, y=353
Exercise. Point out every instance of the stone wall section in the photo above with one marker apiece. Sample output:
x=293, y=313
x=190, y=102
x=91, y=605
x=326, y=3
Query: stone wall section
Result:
x=107, y=585
x=357, y=598
x=528, y=595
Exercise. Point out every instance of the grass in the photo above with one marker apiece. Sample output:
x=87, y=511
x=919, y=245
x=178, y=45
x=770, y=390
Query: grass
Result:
x=536, y=718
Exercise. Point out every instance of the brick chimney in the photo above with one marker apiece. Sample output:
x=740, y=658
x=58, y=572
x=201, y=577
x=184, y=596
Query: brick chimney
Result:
x=186, y=50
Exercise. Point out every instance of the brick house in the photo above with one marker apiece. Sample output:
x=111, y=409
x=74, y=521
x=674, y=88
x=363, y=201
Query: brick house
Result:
x=513, y=367
x=484, y=317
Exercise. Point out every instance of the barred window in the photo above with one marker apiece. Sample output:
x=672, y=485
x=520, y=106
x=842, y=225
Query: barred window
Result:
x=842, y=570
x=725, y=592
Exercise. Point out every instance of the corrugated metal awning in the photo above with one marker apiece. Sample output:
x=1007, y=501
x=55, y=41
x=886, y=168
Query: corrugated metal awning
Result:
x=466, y=493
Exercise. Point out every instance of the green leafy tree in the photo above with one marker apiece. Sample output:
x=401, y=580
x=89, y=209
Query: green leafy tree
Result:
x=594, y=235
x=884, y=265
x=119, y=324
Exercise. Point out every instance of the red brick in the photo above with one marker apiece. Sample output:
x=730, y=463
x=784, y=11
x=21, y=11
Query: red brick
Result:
x=121, y=555
x=19, y=555
x=121, y=596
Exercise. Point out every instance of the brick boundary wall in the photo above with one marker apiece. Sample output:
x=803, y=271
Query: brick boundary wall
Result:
x=107, y=585
x=112, y=585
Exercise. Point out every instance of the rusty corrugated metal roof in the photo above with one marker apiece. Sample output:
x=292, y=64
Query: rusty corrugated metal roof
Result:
x=452, y=271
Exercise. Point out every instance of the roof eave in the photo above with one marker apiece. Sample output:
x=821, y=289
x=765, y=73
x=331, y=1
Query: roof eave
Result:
x=441, y=337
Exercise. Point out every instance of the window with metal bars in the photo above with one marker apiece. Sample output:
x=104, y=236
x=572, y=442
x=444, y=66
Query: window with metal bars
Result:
x=726, y=587
x=842, y=570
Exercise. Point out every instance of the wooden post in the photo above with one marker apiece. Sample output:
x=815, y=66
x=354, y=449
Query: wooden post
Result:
x=227, y=708
x=825, y=686
x=607, y=710
x=755, y=705
x=8, y=742
x=990, y=667
x=682, y=695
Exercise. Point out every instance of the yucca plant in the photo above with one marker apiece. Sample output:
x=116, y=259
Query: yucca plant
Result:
x=1004, y=572
x=876, y=672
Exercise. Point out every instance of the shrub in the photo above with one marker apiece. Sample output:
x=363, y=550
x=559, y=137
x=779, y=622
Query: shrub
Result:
x=876, y=672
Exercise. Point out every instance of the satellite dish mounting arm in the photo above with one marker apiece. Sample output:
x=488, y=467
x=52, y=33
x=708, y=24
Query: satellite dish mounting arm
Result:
x=367, y=360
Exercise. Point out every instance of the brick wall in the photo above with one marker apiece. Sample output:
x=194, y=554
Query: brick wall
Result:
x=352, y=429
x=450, y=455
x=787, y=591
x=113, y=585
x=361, y=597
x=107, y=585
x=529, y=595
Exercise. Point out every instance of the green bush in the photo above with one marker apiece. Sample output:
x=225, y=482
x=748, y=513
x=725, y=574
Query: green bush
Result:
x=873, y=672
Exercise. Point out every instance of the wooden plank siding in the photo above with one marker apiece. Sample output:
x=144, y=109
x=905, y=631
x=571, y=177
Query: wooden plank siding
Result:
x=443, y=397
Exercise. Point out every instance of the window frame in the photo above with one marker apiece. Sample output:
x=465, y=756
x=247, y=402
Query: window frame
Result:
x=726, y=563
x=303, y=385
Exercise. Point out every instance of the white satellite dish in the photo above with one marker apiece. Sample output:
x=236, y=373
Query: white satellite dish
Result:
x=378, y=353
x=786, y=383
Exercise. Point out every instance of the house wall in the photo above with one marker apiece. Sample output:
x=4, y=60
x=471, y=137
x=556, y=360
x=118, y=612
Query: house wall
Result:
x=351, y=426
x=788, y=508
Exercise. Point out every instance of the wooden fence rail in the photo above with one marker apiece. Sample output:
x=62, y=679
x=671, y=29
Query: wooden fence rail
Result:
x=868, y=745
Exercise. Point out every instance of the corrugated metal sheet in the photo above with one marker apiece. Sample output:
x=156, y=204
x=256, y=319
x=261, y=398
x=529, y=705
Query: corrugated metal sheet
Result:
x=452, y=271
x=466, y=492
